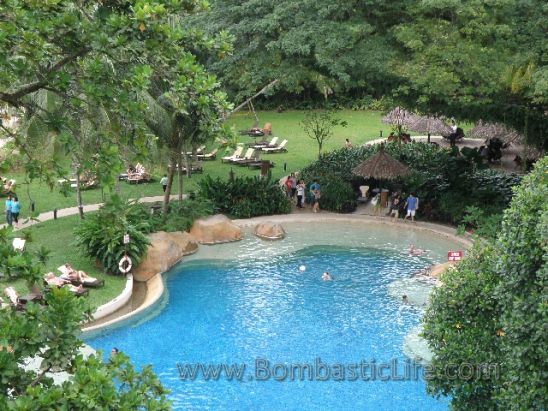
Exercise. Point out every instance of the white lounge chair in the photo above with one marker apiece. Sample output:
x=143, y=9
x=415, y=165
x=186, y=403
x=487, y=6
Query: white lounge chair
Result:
x=237, y=154
x=199, y=150
x=271, y=144
x=19, y=244
x=209, y=156
x=248, y=156
x=277, y=149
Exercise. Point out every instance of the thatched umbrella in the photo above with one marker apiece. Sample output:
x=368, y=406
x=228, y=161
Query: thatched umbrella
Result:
x=398, y=117
x=381, y=166
x=430, y=125
x=495, y=130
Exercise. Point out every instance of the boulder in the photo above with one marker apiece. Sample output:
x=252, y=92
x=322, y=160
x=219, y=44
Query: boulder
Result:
x=438, y=269
x=215, y=230
x=164, y=251
x=269, y=231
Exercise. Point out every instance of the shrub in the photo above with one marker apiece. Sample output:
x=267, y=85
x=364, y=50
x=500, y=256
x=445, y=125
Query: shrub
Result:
x=101, y=235
x=181, y=215
x=245, y=197
x=336, y=194
x=491, y=310
x=445, y=181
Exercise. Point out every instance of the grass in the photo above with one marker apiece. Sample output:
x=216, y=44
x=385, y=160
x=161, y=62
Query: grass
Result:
x=362, y=126
x=57, y=236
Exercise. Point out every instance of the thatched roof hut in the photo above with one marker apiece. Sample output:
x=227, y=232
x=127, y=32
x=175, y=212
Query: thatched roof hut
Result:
x=495, y=130
x=381, y=166
x=430, y=125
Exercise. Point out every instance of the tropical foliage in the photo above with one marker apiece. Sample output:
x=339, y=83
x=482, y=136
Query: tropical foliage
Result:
x=491, y=312
x=101, y=235
x=245, y=197
x=445, y=180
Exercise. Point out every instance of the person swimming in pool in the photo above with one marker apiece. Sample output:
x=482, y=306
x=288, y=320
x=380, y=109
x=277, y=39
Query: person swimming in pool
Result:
x=326, y=276
x=415, y=252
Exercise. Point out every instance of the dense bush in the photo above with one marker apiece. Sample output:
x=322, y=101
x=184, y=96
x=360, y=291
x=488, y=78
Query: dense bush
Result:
x=181, y=215
x=245, y=197
x=492, y=310
x=336, y=193
x=445, y=181
x=101, y=235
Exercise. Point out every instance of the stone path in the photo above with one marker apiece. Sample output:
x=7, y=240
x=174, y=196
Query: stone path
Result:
x=65, y=212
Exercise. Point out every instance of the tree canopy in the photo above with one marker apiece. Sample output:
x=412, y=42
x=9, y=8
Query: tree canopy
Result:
x=470, y=59
x=491, y=312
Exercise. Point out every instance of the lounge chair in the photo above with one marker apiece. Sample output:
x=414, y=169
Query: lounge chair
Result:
x=245, y=159
x=51, y=281
x=199, y=150
x=19, y=302
x=265, y=145
x=237, y=154
x=277, y=149
x=209, y=156
x=194, y=168
x=267, y=129
x=79, y=277
x=19, y=244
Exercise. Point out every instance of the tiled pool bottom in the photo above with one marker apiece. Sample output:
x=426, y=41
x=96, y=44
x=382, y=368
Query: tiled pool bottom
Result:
x=248, y=303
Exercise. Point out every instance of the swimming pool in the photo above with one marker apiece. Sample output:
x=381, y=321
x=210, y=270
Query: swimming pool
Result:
x=247, y=304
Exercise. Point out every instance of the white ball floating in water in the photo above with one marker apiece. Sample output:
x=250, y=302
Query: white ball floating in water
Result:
x=302, y=268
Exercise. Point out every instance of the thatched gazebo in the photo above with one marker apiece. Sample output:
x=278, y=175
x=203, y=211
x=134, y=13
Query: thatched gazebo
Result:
x=429, y=125
x=495, y=130
x=398, y=117
x=381, y=166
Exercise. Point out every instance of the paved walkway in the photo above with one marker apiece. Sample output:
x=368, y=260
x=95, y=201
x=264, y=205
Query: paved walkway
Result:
x=65, y=212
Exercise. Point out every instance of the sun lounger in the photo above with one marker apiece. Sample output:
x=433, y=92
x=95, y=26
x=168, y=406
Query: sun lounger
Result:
x=209, y=156
x=89, y=282
x=237, y=154
x=194, y=168
x=277, y=149
x=19, y=244
x=199, y=151
x=249, y=157
x=19, y=302
x=271, y=144
x=51, y=281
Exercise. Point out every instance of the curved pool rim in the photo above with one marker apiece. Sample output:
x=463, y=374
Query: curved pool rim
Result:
x=154, y=303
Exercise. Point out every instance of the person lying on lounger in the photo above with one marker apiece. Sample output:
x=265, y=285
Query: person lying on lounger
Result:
x=54, y=281
x=71, y=274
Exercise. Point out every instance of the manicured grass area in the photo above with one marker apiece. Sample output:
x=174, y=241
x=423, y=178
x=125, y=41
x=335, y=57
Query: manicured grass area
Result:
x=57, y=236
x=362, y=126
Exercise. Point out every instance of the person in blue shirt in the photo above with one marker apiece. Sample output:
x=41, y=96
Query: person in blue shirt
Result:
x=412, y=203
x=9, y=219
x=15, y=209
x=315, y=196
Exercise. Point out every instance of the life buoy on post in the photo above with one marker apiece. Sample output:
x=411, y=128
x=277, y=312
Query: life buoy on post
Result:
x=125, y=264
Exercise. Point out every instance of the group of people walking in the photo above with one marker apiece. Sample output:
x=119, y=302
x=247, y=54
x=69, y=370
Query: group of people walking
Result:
x=13, y=207
x=296, y=191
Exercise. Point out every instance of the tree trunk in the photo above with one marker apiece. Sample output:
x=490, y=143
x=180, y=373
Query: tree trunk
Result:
x=170, y=173
x=180, y=175
x=79, y=202
x=320, y=144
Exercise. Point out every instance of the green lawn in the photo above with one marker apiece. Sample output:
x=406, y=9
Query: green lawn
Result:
x=362, y=126
x=56, y=236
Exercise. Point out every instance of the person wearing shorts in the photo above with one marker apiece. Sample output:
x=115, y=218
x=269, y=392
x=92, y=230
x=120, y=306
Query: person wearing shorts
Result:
x=15, y=209
x=395, y=213
x=9, y=218
x=412, y=203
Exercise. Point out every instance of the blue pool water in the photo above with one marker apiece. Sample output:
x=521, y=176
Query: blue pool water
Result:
x=236, y=312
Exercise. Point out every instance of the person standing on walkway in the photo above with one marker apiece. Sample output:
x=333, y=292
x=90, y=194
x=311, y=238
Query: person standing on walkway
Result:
x=301, y=187
x=15, y=209
x=412, y=204
x=293, y=185
x=9, y=201
x=163, y=182
x=315, y=194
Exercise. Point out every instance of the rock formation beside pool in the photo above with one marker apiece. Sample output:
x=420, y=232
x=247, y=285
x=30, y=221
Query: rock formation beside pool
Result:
x=216, y=229
x=164, y=251
x=437, y=269
x=269, y=231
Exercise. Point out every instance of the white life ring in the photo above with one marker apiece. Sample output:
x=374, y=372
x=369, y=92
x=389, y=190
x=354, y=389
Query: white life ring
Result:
x=125, y=265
